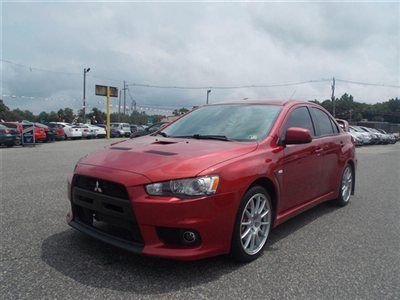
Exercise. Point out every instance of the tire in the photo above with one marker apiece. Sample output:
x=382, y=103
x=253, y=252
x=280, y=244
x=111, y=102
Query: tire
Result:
x=251, y=233
x=346, y=186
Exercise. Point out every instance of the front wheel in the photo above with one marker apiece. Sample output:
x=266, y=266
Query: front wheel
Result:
x=346, y=187
x=252, y=226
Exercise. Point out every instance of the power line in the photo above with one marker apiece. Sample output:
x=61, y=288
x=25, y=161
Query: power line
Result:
x=225, y=87
x=200, y=87
x=57, y=72
x=369, y=84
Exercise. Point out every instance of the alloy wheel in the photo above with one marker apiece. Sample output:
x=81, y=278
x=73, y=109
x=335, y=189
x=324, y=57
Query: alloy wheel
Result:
x=255, y=224
x=347, y=182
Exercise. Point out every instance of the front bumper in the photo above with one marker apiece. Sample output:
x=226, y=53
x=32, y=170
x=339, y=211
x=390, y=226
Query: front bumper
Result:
x=211, y=217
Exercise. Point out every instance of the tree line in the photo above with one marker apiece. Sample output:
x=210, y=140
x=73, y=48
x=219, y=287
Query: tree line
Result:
x=348, y=109
x=69, y=116
x=345, y=107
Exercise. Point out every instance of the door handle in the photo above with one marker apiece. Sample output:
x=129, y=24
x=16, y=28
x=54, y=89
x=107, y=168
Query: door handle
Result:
x=318, y=151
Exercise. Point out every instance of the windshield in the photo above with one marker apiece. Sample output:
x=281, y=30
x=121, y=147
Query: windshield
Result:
x=241, y=122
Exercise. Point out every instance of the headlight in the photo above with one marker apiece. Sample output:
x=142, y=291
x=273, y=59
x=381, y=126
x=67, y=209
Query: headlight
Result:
x=190, y=187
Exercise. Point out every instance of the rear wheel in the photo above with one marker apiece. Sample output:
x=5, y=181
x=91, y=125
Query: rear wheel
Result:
x=346, y=187
x=252, y=226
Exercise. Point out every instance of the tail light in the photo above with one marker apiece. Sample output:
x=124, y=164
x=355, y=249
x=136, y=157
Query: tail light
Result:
x=85, y=130
x=7, y=131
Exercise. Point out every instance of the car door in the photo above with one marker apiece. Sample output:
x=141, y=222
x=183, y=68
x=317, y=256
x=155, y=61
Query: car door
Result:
x=330, y=145
x=300, y=165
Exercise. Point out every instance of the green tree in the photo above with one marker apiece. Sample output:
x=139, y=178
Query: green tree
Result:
x=5, y=113
x=180, y=111
x=43, y=117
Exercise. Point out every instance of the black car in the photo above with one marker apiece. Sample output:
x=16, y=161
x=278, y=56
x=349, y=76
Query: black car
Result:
x=8, y=136
x=137, y=130
x=148, y=130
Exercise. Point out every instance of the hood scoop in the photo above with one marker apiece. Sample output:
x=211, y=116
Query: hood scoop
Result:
x=120, y=148
x=164, y=153
x=157, y=142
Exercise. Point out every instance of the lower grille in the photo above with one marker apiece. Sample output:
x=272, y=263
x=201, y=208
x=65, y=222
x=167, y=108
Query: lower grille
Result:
x=109, y=215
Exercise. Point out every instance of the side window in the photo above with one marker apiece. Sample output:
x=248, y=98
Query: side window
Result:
x=334, y=126
x=300, y=117
x=322, y=122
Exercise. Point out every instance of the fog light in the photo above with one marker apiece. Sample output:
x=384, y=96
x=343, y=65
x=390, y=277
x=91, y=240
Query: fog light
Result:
x=189, y=237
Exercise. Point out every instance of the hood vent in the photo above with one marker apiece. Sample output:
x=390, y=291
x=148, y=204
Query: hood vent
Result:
x=163, y=142
x=161, y=153
x=120, y=148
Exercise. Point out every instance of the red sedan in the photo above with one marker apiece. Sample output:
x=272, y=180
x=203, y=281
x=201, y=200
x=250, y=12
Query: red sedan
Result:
x=215, y=181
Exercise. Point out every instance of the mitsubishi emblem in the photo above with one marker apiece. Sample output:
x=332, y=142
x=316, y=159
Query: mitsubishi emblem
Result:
x=97, y=188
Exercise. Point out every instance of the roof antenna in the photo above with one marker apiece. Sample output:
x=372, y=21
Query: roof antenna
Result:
x=291, y=97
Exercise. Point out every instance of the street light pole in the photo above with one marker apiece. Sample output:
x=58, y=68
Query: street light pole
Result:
x=208, y=93
x=84, y=94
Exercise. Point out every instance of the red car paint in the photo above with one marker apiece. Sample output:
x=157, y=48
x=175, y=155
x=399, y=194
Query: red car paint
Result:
x=298, y=177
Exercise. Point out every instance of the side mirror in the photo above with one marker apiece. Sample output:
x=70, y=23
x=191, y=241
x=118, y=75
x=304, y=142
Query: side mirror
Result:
x=296, y=135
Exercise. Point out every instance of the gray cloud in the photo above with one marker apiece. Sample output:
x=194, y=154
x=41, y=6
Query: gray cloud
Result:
x=198, y=44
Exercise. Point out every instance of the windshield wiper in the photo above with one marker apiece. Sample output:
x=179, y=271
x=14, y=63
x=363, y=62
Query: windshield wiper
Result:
x=205, y=137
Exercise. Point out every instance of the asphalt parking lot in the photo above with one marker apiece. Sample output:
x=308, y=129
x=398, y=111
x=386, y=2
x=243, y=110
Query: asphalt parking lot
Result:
x=327, y=252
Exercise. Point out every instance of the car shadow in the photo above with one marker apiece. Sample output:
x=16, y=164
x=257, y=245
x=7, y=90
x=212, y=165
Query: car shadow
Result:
x=96, y=264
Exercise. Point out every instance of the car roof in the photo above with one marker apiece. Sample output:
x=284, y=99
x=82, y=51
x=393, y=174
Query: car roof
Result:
x=281, y=102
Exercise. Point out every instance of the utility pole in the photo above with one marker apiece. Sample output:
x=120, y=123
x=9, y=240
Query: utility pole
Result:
x=208, y=93
x=84, y=94
x=108, y=113
x=333, y=97
x=124, y=97
x=119, y=106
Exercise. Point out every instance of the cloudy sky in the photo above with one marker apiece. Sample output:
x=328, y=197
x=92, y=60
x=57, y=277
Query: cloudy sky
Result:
x=196, y=44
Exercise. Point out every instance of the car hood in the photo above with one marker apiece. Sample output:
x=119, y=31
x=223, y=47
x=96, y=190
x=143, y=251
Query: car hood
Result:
x=161, y=159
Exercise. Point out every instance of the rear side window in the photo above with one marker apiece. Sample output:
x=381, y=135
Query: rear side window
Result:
x=334, y=126
x=300, y=117
x=322, y=122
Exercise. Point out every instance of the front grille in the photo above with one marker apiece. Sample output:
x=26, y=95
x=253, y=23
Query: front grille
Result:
x=103, y=213
x=106, y=187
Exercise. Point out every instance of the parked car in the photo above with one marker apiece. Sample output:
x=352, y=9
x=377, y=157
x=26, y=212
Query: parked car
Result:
x=201, y=187
x=49, y=131
x=87, y=132
x=17, y=127
x=361, y=135
x=113, y=131
x=148, y=130
x=99, y=132
x=376, y=135
x=391, y=137
x=136, y=128
x=59, y=131
x=358, y=141
x=40, y=134
x=8, y=136
x=69, y=131
x=124, y=129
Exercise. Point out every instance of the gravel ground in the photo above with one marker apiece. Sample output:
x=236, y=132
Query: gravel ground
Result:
x=327, y=252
